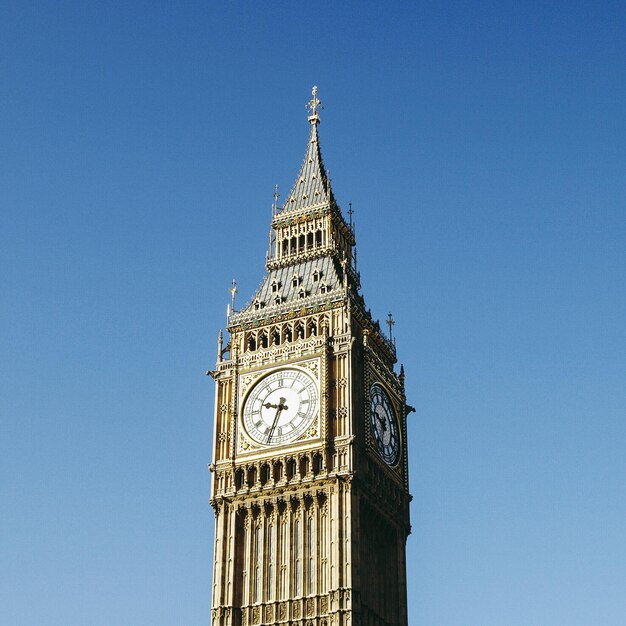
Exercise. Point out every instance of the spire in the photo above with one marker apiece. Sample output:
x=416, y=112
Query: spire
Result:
x=312, y=187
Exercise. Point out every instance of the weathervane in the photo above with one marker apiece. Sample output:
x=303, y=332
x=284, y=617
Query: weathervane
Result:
x=313, y=105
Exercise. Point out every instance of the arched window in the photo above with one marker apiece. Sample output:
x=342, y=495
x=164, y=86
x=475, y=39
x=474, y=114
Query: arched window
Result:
x=311, y=563
x=297, y=557
x=270, y=562
x=258, y=553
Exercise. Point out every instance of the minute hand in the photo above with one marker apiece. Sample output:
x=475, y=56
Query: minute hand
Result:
x=279, y=409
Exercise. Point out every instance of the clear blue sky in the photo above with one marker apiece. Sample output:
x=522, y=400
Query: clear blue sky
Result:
x=482, y=145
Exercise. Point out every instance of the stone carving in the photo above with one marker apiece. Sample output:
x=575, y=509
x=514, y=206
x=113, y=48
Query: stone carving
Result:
x=324, y=604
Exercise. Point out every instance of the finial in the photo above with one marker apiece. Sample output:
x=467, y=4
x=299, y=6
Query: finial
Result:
x=233, y=290
x=390, y=323
x=313, y=105
x=350, y=212
x=220, y=346
x=276, y=196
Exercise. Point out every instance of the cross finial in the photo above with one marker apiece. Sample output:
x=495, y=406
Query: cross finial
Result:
x=350, y=212
x=390, y=323
x=313, y=105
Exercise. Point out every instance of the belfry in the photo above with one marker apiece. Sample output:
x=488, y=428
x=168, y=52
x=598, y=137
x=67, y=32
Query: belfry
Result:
x=309, y=471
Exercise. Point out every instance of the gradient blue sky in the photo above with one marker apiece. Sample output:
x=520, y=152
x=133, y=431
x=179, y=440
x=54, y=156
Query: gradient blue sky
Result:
x=482, y=145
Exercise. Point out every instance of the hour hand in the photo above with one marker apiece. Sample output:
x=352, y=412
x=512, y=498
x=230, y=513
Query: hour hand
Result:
x=280, y=406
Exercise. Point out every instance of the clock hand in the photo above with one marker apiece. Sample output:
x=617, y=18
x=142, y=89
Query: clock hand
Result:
x=282, y=406
x=279, y=408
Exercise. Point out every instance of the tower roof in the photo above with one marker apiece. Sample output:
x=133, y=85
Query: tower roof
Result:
x=312, y=186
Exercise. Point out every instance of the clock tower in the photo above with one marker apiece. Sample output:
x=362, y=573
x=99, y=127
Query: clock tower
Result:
x=309, y=471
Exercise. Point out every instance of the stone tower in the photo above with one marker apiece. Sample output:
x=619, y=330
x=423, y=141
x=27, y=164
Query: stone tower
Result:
x=310, y=476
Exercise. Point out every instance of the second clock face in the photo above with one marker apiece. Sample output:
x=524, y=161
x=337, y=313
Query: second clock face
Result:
x=384, y=425
x=280, y=407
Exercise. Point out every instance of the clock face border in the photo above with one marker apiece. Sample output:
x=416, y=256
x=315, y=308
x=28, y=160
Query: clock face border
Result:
x=388, y=420
x=280, y=406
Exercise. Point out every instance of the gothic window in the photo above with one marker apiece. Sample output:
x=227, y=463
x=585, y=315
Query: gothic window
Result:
x=309, y=241
x=291, y=468
x=287, y=335
x=323, y=288
x=270, y=562
x=293, y=247
x=251, y=476
x=323, y=551
x=301, y=294
x=258, y=553
x=274, y=286
x=297, y=557
x=257, y=304
x=265, y=473
x=285, y=247
x=318, y=238
x=276, y=338
x=251, y=343
x=264, y=340
x=317, y=463
x=312, y=329
x=299, y=331
x=278, y=300
x=295, y=281
x=311, y=564
x=278, y=471
x=316, y=275
x=283, y=560
x=239, y=479
x=301, y=242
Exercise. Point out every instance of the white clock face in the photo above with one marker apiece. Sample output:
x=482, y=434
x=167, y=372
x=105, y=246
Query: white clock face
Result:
x=281, y=407
x=384, y=425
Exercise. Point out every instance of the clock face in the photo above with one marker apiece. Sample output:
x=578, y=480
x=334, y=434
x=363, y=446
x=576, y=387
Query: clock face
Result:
x=280, y=407
x=384, y=425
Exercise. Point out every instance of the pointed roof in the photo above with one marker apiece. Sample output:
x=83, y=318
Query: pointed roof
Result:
x=312, y=187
